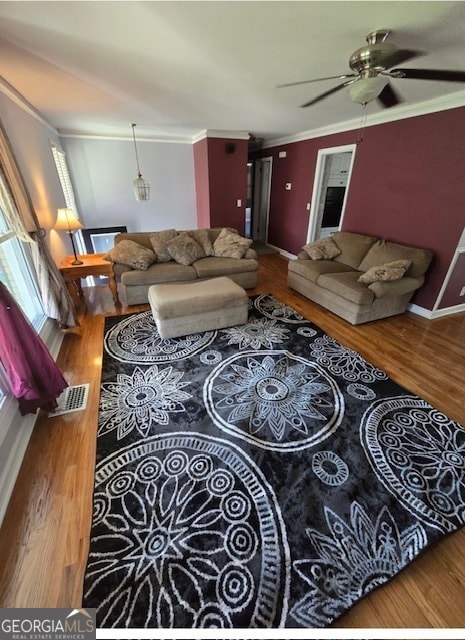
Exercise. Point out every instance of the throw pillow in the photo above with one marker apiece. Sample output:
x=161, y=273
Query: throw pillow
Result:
x=184, y=249
x=230, y=244
x=203, y=238
x=385, y=273
x=323, y=249
x=158, y=240
x=131, y=254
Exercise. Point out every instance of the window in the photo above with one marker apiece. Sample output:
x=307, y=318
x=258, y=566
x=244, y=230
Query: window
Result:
x=67, y=188
x=16, y=275
x=63, y=174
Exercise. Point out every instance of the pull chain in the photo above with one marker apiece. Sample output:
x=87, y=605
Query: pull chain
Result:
x=363, y=120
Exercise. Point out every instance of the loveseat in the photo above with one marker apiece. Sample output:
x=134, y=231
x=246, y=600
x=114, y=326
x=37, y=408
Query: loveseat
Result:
x=358, y=277
x=144, y=258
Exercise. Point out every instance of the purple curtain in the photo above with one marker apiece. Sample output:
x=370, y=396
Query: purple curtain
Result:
x=35, y=379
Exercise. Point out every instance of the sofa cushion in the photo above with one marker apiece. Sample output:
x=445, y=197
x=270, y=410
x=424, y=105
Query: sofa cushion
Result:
x=131, y=254
x=203, y=238
x=212, y=266
x=322, y=249
x=354, y=247
x=385, y=251
x=312, y=269
x=347, y=286
x=160, y=272
x=386, y=272
x=184, y=249
x=159, y=240
x=141, y=237
x=231, y=245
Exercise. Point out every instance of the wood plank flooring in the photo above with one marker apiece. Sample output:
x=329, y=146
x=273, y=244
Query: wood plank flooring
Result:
x=44, y=537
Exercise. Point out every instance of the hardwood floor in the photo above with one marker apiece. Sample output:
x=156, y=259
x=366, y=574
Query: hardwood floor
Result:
x=44, y=537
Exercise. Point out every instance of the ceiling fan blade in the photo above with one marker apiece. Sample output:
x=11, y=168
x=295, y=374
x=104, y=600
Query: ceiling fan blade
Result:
x=444, y=75
x=293, y=84
x=399, y=56
x=388, y=97
x=326, y=94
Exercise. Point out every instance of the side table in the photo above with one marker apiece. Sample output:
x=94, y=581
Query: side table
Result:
x=93, y=264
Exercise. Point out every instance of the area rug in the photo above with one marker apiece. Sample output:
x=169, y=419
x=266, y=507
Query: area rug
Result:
x=258, y=476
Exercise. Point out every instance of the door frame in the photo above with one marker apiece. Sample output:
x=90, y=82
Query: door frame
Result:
x=257, y=197
x=314, y=223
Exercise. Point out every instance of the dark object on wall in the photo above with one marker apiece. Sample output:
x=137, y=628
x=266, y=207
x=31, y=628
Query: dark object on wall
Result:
x=93, y=238
x=230, y=147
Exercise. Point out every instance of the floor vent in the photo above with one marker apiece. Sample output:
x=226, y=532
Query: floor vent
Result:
x=72, y=399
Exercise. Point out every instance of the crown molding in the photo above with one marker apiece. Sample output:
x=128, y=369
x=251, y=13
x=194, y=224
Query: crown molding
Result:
x=7, y=89
x=443, y=103
x=220, y=133
x=63, y=133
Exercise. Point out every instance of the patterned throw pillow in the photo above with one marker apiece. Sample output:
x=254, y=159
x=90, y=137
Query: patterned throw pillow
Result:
x=230, y=244
x=184, y=249
x=203, y=238
x=385, y=273
x=158, y=240
x=131, y=254
x=323, y=249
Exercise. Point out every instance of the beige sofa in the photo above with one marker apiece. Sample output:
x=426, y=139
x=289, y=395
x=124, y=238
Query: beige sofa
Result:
x=165, y=269
x=389, y=274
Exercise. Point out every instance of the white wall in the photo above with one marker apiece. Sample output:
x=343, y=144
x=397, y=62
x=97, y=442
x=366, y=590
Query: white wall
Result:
x=102, y=171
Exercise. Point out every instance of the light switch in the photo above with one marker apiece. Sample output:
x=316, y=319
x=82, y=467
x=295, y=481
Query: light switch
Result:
x=282, y=154
x=239, y=203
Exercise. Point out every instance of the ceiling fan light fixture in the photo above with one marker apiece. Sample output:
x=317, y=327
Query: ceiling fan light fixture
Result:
x=366, y=90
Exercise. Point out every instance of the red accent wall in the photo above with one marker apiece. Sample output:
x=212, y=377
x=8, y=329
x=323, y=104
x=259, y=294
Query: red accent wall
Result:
x=407, y=185
x=221, y=180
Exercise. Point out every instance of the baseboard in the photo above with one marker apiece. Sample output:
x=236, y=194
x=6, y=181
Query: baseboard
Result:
x=447, y=311
x=420, y=311
x=20, y=433
x=438, y=313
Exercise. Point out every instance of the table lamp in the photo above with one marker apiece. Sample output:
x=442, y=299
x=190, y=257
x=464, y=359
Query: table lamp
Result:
x=67, y=220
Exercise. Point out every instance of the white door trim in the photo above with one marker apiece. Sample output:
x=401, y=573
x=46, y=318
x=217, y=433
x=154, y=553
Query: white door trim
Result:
x=318, y=185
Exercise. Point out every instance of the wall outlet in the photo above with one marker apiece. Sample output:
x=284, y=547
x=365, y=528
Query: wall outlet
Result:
x=282, y=154
x=288, y=186
x=462, y=291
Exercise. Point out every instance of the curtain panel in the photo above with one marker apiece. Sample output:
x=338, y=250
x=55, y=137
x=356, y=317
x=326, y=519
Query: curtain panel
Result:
x=17, y=207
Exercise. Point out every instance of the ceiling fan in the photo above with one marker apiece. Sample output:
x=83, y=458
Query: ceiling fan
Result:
x=373, y=65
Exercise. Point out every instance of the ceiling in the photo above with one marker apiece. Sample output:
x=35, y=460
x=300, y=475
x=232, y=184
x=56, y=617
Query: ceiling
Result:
x=179, y=68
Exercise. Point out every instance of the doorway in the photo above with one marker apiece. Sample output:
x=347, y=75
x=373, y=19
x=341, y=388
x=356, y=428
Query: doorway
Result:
x=258, y=204
x=330, y=188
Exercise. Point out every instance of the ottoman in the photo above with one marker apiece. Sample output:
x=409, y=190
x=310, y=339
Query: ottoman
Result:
x=181, y=309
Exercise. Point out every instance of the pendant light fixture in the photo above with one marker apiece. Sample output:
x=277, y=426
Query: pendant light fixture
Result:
x=141, y=187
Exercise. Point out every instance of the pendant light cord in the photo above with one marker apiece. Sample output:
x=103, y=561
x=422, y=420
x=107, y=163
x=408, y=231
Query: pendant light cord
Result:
x=135, y=149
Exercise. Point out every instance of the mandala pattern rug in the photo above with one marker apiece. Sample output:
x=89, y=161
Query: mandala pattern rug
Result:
x=258, y=476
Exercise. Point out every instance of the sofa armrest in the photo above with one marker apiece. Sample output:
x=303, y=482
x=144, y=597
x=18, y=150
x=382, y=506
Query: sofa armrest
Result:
x=251, y=254
x=396, y=288
x=119, y=269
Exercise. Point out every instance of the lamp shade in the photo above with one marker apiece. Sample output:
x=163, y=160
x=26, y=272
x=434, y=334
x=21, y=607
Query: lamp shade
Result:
x=67, y=220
